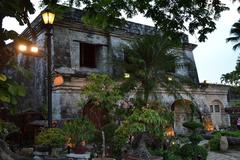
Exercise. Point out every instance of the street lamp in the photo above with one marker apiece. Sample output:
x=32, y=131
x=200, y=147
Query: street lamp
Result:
x=48, y=19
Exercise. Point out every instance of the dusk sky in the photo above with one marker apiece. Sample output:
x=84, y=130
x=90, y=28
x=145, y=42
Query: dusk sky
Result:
x=213, y=57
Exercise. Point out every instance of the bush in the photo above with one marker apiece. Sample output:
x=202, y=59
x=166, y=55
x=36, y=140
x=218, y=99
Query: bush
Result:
x=166, y=154
x=195, y=138
x=215, y=142
x=6, y=128
x=79, y=129
x=192, y=125
x=52, y=137
x=190, y=152
x=230, y=133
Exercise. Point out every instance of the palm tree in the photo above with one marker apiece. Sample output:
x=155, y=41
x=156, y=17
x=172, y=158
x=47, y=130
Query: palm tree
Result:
x=235, y=31
x=234, y=76
x=151, y=61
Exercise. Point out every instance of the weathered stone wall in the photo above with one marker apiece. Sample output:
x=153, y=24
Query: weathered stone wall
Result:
x=35, y=98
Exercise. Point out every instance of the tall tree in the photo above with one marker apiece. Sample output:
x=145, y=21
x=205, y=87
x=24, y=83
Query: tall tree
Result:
x=168, y=15
x=233, y=77
x=151, y=61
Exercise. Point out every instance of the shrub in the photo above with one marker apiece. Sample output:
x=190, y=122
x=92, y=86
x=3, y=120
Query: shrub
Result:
x=79, y=129
x=192, y=125
x=6, y=128
x=166, y=154
x=215, y=142
x=230, y=133
x=190, y=152
x=52, y=137
x=195, y=138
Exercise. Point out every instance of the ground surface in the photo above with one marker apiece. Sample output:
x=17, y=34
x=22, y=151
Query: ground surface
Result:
x=229, y=155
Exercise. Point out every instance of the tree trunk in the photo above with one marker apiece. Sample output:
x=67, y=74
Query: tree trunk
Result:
x=103, y=145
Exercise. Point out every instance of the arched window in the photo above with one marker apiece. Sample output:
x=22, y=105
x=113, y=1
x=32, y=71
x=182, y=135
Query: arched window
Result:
x=215, y=106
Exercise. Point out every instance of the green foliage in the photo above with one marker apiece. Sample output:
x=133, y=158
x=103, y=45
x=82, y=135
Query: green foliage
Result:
x=150, y=61
x=103, y=90
x=10, y=90
x=6, y=128
x=181, y=15
x=143, y=120
x=192, y=125
x=51, y=137
x=190, y=152
x=215, y=142
x=166, y=154
x=79, y=129
x=233, y=77
x=195, y=138
x=231, y=133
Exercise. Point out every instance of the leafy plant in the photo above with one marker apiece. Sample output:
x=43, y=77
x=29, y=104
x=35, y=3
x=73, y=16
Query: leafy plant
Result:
x=150, y=61
x=10, y=90
x=144, y=120
x=103, y=90
x=79, y=130
x=231, y=133
x=215, y=142
x=166, y=154
x=51, y=137
x=190, y=152
x=6, y=128
x=192, y=125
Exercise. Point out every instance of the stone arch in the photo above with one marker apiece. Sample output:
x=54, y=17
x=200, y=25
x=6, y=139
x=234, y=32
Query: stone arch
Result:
x=216, y=108
x=182, y=113
x=216, y=102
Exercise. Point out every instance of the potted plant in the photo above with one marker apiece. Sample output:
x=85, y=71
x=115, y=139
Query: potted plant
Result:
x=52, y=138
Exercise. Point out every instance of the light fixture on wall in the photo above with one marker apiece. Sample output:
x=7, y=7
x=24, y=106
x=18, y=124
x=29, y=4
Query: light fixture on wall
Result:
x=58, y=80
x=170, y=132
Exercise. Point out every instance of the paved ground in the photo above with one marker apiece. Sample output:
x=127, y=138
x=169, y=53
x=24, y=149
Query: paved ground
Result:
x=229, y=155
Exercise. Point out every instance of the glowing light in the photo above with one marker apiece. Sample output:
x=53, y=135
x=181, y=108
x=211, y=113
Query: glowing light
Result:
x=58, y=80
x=126, y=75
x=34, y=49
x=48, y=17
x=22, y=48
x=170, y=78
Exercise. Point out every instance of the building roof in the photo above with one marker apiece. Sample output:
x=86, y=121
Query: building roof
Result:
x=73, y=17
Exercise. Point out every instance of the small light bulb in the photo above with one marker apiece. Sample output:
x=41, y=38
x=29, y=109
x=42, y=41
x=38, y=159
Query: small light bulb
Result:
x=22, y=48
x=126, y=75
x=170, y=78
x=34, y=49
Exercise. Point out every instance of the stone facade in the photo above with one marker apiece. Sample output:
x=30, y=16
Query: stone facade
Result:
x=70, y=34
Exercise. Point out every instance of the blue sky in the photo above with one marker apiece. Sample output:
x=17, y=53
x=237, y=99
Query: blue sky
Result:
x=213, y=58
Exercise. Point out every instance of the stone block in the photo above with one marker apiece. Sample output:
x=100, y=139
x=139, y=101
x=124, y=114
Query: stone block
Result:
x=223, y=143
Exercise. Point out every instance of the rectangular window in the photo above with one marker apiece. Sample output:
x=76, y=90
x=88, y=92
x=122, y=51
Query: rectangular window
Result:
x=211, y=108
x=88, y=55
x=217, y=108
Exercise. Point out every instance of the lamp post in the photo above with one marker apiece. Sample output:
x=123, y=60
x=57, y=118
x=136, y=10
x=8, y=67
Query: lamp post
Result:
x=48, y=19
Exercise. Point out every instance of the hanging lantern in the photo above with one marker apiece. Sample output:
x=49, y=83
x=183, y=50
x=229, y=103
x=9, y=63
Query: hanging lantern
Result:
x=170, y=132
x=58, y=80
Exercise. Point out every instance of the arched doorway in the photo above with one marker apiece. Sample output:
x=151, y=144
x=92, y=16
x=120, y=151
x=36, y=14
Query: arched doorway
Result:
x=182, y=113
x=216, y=108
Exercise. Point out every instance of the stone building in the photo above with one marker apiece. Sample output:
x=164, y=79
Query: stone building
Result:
x=79, y=50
